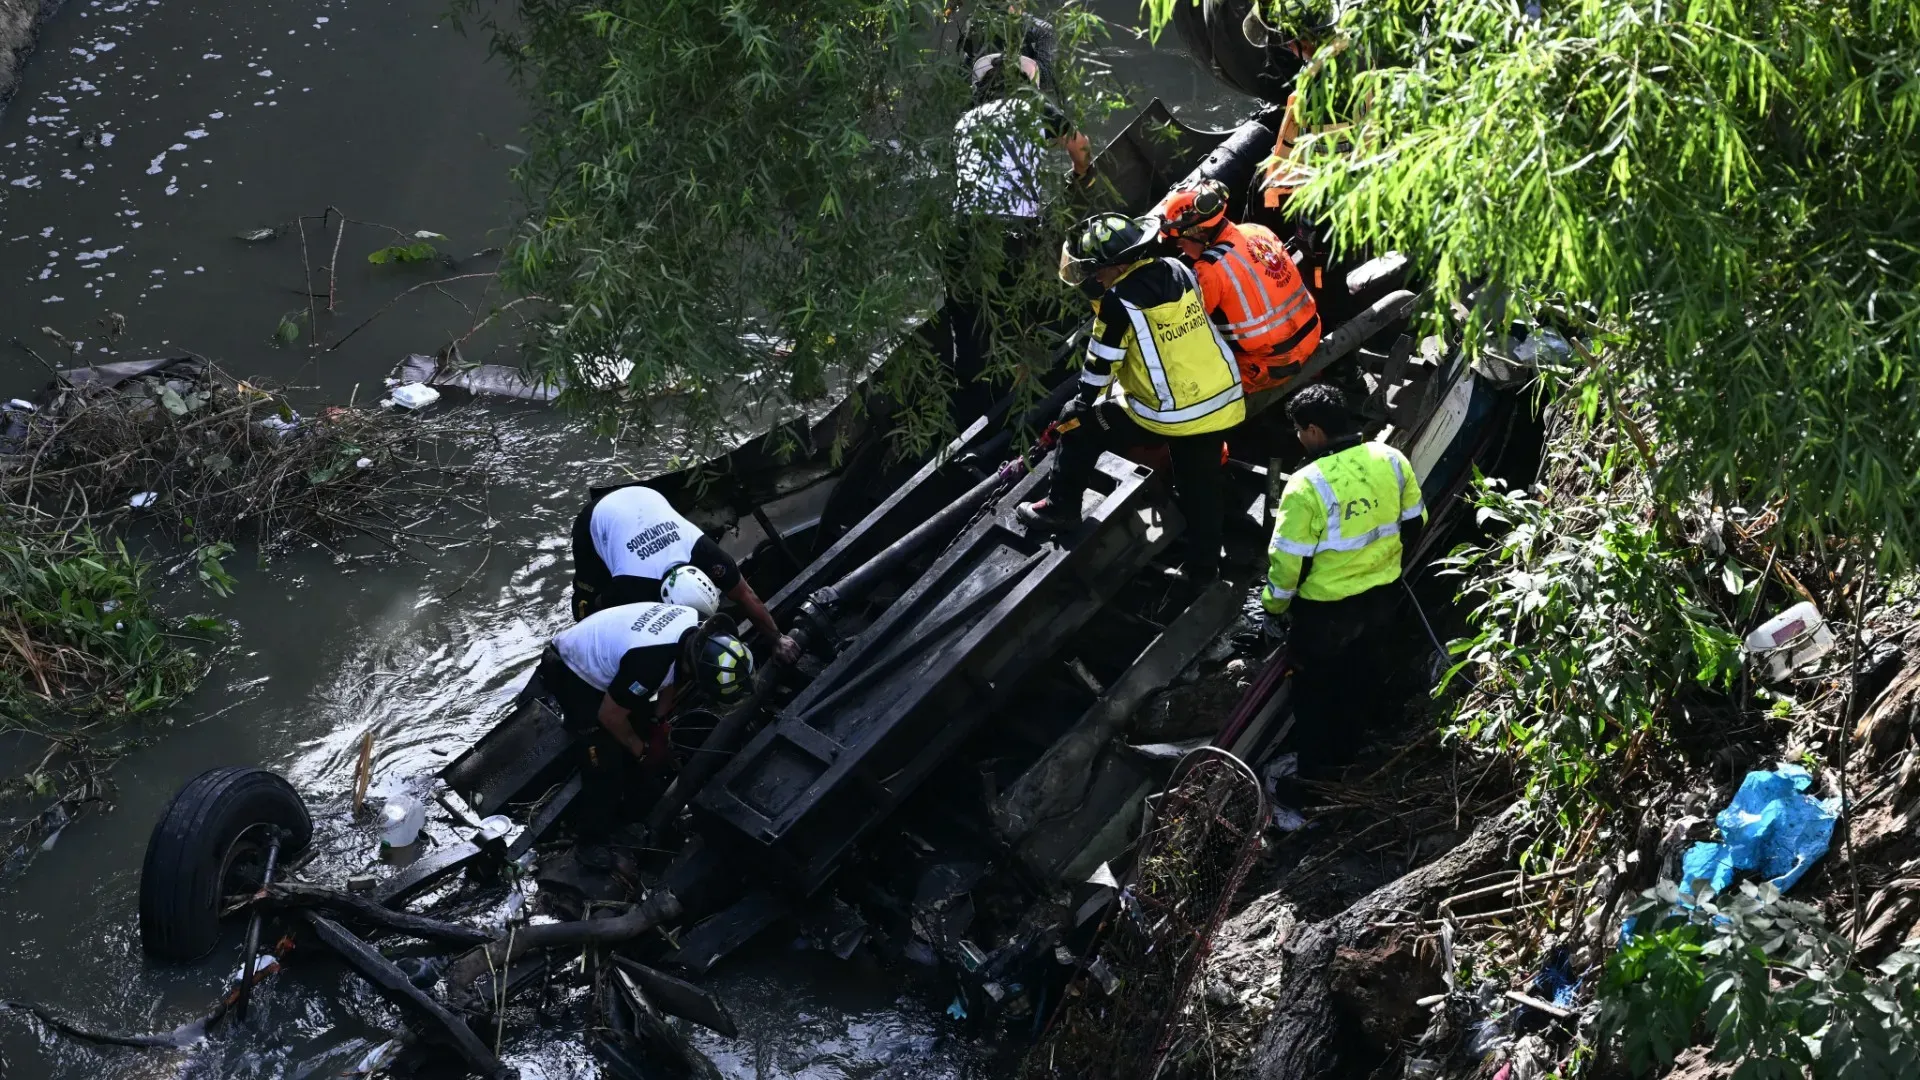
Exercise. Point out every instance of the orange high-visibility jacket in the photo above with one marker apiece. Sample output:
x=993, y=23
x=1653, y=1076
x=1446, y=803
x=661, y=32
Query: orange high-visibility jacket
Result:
x=1254, y=294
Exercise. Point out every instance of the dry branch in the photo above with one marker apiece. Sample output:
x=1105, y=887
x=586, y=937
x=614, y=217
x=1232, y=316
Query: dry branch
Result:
x=226, y=460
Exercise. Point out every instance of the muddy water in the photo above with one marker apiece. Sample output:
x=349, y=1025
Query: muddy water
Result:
x=148, y=134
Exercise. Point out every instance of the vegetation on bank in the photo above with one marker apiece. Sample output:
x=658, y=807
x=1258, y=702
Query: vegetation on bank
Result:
x=84, y=641
x=760, y=195
x=1716, y=201
x=84, y=649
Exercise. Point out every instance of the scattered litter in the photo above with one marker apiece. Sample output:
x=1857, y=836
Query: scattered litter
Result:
x=1170, y=751
x=1772, y=826
x=264, y=965
x=363, y=463
x=971, y=957
x=361, y=883
x=1543, y=344
x=1556, y=982
x=377, y=1059
x=254, y=236
x=1109, y=982
x=498, y=825
x=1104, y=876
x=22, y=404
x=1279, y=769
x=400, y=822
x=415, y=395
x=143, y=500
x=1792, y=639
x=1287, y=819
x=282, y=426
x=497, y=379
x=957, y=1010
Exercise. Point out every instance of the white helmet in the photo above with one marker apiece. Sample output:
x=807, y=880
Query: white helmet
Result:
x=689, y=585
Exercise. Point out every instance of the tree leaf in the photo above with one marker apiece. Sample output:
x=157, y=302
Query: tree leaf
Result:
x=403, y=253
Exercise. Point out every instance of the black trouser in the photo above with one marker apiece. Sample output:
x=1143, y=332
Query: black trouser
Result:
x=1340, y=675
x=1196, y=473
x=968, y=322
x=609, y=775
x=591, y=578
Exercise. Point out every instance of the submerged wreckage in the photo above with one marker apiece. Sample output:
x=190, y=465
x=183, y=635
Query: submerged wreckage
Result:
x=945, y=776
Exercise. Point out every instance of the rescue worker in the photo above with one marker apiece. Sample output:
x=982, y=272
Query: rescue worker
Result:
x=630, y=546
x=1345, y=519
x=1038, y=41
x=1248, y=282
x=602, y=671
x=1156, y=372
x=1001, y=181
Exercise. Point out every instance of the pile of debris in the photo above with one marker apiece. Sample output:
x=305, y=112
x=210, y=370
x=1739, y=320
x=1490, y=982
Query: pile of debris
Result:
x=203, y=455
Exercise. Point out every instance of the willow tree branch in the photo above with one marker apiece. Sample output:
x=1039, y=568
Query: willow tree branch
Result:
x=397, y=299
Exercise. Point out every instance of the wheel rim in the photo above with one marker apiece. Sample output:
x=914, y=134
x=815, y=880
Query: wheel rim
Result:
x=244, y=862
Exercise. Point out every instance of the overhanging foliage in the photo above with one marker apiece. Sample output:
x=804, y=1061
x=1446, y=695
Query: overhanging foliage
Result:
x=1730, y=187
x=745, y=199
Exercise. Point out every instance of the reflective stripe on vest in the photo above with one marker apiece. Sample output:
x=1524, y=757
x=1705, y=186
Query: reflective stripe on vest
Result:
x=1333, y=540
x=1175, y=354
x=1259, y=318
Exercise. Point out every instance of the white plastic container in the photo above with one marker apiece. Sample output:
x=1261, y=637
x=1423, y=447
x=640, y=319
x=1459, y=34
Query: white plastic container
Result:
x=1794, y=638
x=400, y=822
x=415, y=395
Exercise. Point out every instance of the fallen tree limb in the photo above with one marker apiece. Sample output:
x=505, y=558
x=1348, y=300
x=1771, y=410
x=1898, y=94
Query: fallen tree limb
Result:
x=186, y=1034
x=393, y=984
x=1300, y=1037
x=295, y=896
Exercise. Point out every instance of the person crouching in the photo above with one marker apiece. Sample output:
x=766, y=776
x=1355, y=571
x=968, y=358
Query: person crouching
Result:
x=618, y=675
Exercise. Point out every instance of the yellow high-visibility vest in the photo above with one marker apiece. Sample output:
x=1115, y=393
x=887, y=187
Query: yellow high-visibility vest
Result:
x=1176, y=374
x=1343, y=511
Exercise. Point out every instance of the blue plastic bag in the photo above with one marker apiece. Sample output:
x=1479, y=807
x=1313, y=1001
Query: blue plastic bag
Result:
x=1771, y=827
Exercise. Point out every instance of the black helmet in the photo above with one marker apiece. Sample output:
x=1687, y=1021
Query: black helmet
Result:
x=1104, y=240
x=723, y=665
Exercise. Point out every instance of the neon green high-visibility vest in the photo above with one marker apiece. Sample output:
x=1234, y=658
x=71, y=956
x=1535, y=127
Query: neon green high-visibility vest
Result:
x=1344, y=512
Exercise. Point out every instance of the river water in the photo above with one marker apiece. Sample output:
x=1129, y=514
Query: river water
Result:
x=148, y=134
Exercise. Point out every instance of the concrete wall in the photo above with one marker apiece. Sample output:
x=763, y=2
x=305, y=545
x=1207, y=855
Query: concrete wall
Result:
x=19, y=24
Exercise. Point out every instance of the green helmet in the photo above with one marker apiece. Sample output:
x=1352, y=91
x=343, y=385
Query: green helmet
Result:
x=1104, y=240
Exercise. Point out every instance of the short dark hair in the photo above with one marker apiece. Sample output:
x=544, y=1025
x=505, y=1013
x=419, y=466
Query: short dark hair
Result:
x=1324, y=406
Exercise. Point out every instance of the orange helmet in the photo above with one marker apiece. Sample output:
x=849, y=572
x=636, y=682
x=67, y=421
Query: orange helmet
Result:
x=1196, y=212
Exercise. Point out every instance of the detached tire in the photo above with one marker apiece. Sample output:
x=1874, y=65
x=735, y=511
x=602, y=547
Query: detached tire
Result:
x=210, y=841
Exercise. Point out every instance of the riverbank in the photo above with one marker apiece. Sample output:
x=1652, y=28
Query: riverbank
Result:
x=20, y=22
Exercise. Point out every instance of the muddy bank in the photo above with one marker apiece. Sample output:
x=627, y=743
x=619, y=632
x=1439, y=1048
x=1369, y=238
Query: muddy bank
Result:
x=19, y=27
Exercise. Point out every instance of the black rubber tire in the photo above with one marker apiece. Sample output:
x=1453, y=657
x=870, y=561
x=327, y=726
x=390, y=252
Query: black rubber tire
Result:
x=217, y=816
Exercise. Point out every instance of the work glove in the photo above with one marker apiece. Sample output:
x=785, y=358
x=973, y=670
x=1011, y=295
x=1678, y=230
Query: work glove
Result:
x=1075, y=409
x=1274, y=628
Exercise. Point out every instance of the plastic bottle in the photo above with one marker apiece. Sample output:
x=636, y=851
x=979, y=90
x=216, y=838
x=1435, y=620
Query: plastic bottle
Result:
x=400, y=822
x=1794, y=638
